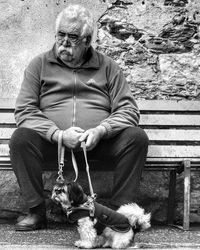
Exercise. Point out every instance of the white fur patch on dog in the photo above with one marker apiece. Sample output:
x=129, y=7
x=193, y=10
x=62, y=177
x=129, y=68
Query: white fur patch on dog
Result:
x=87, y=233
x=116, y=239
x=136, y=215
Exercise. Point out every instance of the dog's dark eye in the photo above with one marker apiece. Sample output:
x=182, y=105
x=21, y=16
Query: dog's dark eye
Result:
x=58, y=191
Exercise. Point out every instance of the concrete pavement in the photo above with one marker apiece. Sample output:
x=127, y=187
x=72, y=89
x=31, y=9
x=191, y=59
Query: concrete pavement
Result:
x=54, y=247
x=61, y=236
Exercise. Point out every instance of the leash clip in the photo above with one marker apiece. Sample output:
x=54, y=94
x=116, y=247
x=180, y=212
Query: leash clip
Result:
x=61, y=153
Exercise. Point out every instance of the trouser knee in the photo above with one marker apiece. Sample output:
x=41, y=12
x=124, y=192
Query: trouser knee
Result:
x=136, y=136
x=20, y=139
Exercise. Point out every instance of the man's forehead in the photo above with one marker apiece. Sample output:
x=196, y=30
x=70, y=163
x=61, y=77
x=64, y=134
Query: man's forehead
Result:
x=70, y=26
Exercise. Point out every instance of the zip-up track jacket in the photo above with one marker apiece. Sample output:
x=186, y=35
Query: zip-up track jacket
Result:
x=54, y=96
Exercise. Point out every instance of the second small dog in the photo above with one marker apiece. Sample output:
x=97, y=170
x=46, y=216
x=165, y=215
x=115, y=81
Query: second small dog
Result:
x=119, y=226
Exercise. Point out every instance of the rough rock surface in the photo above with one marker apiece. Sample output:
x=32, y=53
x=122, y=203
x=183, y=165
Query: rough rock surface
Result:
x=156, y=44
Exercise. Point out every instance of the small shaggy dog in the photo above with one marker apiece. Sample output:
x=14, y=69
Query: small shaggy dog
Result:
x=119, y=227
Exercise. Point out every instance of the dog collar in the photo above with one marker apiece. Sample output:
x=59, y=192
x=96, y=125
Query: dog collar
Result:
x=84, y=210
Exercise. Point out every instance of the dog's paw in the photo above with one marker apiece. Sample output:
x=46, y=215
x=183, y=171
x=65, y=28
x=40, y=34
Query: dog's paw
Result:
x=83, y=244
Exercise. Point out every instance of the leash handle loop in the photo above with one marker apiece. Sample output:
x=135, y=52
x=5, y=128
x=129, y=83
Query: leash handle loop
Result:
x=61, y=158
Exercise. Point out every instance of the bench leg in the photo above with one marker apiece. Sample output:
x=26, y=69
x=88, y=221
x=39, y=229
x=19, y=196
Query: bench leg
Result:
x=187, y=177
x=171, y=198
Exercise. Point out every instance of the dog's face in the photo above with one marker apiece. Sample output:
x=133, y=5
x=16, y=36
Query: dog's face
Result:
x=68, y=194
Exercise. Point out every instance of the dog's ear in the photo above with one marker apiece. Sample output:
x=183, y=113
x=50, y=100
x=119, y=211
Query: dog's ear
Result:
x=76, y=194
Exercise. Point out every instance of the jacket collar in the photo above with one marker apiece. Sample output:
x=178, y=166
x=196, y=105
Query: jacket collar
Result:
x=91, y=62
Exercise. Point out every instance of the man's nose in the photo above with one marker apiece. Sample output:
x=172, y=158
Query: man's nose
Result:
x=66, y=42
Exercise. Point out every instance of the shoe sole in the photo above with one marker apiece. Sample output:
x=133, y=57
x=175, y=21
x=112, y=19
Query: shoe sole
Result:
x=31, y=228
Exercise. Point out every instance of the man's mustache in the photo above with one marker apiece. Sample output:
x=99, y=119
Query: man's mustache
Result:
x=67, y=51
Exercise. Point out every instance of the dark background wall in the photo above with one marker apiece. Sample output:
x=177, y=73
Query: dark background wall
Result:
x=156, y=43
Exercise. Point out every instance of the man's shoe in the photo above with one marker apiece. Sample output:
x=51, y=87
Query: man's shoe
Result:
x=31, y=222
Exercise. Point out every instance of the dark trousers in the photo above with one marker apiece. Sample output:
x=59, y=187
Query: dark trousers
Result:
x=128, y=150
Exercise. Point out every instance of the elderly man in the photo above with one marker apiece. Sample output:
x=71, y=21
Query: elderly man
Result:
x=78, y=90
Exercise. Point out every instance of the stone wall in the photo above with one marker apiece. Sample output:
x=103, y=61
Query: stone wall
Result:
x=155, y=42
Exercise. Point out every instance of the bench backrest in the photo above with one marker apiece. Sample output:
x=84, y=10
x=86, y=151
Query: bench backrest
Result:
x=173, y=127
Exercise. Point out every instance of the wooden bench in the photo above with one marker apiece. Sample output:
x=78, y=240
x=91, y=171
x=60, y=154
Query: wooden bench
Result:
x=173, y=128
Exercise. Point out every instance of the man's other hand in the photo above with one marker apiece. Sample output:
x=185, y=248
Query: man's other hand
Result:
x=92, y=136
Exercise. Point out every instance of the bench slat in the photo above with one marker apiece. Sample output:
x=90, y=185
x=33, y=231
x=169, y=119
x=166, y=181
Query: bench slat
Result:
x=162, y=105
x=153, y=151
x=146, y=105
x=150, y=161
x=5, y=133
x=153, y=134
x=173, y=135
x=7, y=103
x=7, y=118
x=4, y=150
x=170, y=120
x=146, y=119
x=174, y=151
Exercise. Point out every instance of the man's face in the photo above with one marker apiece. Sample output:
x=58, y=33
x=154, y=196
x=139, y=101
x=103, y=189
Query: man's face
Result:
x=71, y=46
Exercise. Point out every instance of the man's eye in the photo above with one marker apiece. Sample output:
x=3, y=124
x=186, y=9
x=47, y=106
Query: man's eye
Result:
x=61, y=34
x=73, y=37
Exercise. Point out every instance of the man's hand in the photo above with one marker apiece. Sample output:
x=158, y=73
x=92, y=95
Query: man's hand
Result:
x=71, y=137
x=92, y=136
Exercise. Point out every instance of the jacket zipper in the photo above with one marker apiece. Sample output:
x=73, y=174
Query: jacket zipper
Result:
x=74, y=100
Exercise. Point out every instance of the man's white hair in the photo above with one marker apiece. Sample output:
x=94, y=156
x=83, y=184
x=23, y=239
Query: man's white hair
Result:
x=79, y=14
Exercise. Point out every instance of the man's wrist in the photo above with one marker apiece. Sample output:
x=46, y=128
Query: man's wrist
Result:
x=102, y=130
x=54, y=136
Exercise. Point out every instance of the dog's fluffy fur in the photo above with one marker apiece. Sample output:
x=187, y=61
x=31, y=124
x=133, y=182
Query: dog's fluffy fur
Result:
x=69, y=195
